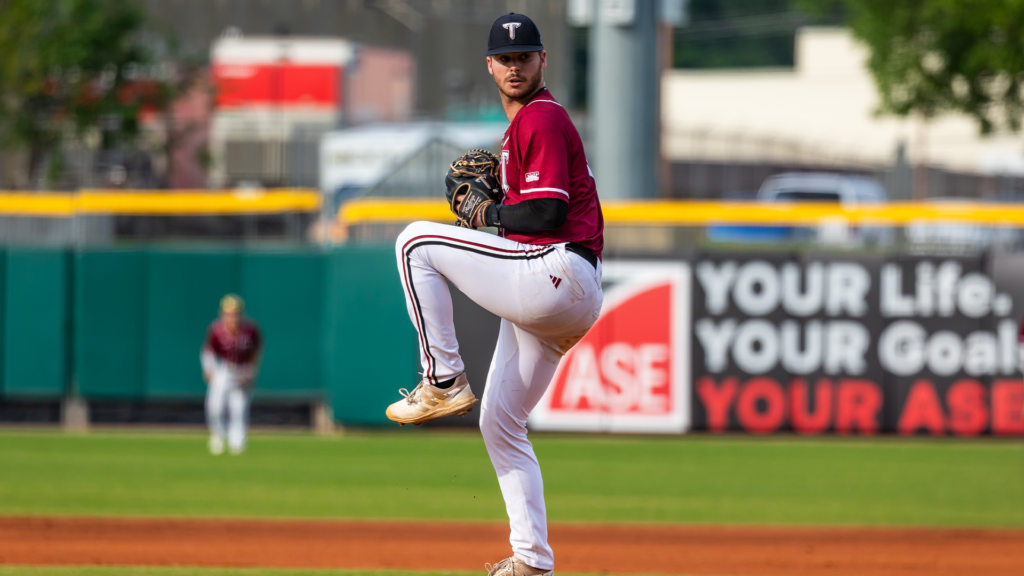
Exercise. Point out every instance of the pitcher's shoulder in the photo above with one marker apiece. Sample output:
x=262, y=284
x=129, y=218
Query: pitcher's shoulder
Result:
x=544, y=116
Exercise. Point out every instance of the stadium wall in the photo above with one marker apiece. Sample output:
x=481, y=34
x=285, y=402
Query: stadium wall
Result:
x=127, y=324
x=35, y=353
x=754, y=342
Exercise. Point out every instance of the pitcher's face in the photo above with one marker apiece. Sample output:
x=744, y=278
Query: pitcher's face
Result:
x=518, y=74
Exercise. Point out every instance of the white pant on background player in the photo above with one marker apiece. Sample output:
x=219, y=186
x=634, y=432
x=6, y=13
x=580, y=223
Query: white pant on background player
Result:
x=227, y=407
x=547, y=299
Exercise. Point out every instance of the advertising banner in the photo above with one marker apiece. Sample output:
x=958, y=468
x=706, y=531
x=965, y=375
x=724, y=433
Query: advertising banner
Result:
x=281, y=85
x=818, y=344
x=273, y=72
x=631, y=372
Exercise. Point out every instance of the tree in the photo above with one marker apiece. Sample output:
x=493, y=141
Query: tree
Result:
x=934, y=56
x=73, y=69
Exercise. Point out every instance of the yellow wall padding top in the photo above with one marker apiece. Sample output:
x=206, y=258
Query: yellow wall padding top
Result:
x=149, y=202
x=694, y=213
x=384, y=210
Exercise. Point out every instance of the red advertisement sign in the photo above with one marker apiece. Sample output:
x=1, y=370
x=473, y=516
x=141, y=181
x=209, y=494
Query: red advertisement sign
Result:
x=631, y=372
x=280, y=73
x=284, y=85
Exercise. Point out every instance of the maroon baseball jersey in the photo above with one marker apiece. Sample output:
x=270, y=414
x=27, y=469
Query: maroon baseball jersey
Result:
x=542, y=157
x=240, y=348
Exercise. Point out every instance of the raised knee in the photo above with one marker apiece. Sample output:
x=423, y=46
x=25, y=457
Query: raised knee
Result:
x=412, y=231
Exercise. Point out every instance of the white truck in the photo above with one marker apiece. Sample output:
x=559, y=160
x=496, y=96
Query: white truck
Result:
x=845, y=189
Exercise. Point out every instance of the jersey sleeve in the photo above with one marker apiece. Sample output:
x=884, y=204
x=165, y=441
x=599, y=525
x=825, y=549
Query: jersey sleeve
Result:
x=209, y=341
x=544, y=166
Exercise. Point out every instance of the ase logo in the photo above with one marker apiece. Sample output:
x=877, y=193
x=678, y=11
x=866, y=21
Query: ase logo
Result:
x=631, y=372
x=532, y=176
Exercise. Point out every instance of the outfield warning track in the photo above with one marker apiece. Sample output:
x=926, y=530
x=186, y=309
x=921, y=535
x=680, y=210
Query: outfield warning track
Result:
x=606, y=549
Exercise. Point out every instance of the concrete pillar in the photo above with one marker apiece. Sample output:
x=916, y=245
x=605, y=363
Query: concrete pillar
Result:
x=322, y=417
x=74, y=415
x=623, y=72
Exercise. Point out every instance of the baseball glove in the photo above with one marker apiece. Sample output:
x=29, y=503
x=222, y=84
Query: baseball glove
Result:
x=472, y=179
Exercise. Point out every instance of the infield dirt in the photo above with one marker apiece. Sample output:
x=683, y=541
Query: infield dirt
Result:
x=589, y=548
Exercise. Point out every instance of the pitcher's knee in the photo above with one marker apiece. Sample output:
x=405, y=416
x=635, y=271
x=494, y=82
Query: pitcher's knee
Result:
x=413, y=230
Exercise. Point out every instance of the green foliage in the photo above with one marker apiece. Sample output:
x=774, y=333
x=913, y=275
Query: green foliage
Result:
x=608, y=479
x=934, y=56
x=73, y=68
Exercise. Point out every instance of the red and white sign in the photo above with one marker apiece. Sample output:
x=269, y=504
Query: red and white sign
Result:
x=280, y=72
x=631, y=372
x=283, y=85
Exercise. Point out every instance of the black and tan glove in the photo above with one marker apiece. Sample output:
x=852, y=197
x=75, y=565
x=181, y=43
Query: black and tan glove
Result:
x=472, y=185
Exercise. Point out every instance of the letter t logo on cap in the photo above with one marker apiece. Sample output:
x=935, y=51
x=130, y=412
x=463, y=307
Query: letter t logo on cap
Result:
x=511, y=27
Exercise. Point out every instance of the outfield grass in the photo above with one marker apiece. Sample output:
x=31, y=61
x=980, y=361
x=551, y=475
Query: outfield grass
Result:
x=430, y=475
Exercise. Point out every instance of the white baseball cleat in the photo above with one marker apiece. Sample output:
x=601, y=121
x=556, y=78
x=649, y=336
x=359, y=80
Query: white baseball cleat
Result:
x=216, y=445
x=515, y=567
x=428, y=402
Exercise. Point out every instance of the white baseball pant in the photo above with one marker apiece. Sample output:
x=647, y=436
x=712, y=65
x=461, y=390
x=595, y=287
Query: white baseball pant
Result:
x=227, y=406
x=547, y=299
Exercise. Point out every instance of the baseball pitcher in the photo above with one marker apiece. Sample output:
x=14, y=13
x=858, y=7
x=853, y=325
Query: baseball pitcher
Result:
x=230, y=358
x=541, y=275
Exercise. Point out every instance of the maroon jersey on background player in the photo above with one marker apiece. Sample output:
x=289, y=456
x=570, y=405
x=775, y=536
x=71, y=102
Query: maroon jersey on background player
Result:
x=240, y=348
x=542, y=156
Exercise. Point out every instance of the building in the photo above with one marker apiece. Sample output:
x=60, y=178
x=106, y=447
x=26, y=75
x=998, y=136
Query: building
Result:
x=821, y=113
x=447, y=38
x=276, y=96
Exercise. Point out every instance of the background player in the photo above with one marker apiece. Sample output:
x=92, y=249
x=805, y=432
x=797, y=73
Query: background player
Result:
x=230, y=358
x=542, y=277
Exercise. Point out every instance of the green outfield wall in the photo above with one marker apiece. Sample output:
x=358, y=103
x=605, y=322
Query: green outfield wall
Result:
x=127, y=324
x=35, y=322
x=723, y=341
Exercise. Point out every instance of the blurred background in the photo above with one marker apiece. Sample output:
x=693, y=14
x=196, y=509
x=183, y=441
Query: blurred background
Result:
x=834, y=190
